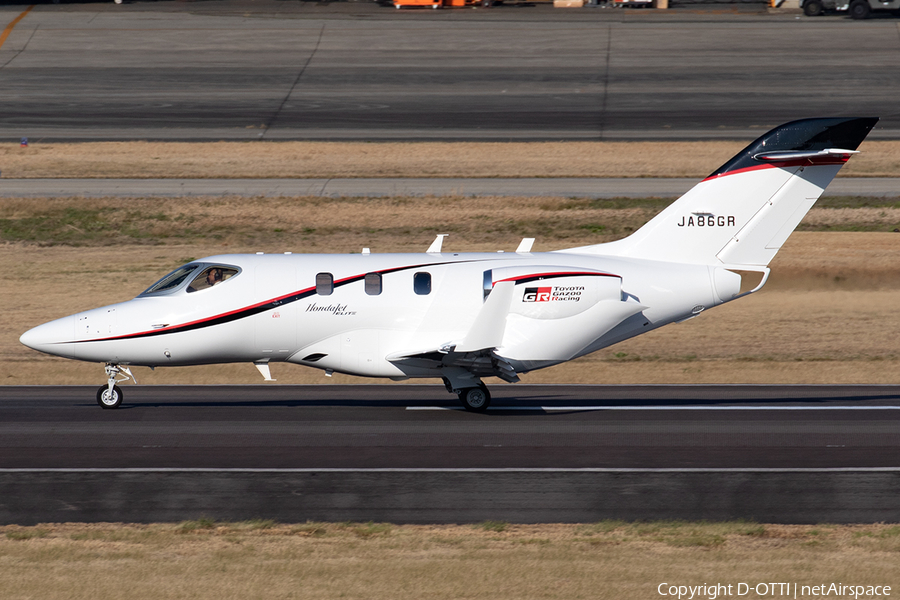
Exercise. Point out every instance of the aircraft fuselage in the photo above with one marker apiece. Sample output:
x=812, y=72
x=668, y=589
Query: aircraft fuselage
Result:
x=271, y=310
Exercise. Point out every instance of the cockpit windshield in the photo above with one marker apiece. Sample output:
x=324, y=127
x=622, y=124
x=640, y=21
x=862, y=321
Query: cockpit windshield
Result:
x=172, y=280
x=200, y=275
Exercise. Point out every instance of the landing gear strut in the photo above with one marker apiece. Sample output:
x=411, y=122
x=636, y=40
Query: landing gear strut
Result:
x=475, y=398
x=109, y=395
x=473, y=394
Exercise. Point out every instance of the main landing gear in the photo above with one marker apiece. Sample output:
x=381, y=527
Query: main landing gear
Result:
x=475, y=398
x=110, y=395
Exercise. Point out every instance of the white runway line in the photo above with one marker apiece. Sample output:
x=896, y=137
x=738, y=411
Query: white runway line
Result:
x=465, y=470
x=708, y=408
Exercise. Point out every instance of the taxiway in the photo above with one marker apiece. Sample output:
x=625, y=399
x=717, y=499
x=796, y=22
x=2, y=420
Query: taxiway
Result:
x=275, y=70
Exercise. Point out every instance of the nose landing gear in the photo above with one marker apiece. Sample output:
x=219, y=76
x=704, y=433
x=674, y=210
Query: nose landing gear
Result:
x=109, y=395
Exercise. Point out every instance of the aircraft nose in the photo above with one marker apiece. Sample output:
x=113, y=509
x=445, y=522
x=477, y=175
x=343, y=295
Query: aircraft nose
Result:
x=55, y=337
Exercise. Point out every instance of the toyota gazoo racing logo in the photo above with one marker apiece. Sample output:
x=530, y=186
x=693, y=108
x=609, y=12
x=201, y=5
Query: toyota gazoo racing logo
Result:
x=553, y=294
x=538, y=294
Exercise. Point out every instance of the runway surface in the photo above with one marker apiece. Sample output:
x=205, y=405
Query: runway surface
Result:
x=421, y=426
x=566, y=187
x=275, y=70
x=408, y=454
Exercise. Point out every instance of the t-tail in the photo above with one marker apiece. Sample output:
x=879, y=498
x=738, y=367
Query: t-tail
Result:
x=743, y=213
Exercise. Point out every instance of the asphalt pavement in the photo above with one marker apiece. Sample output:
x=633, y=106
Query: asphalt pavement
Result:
x=278, y=70
x=421, y=426
x=409, y=454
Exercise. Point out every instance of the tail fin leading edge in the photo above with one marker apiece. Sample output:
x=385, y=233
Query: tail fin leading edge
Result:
x=745, y=210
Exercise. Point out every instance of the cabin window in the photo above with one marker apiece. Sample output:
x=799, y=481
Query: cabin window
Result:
x=373, y=284
x=210, y=277
x=324, y=284
x=422, y=283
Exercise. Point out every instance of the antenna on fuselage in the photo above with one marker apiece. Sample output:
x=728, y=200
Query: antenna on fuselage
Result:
x=263, y=368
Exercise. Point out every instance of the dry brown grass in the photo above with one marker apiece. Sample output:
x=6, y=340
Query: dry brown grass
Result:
x=493, y=561
x=828, y=314
x=397, y=159
x=318, y=224
x=309, y=223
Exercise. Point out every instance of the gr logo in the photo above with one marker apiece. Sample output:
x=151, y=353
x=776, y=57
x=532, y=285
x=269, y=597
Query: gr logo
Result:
x=541, y=294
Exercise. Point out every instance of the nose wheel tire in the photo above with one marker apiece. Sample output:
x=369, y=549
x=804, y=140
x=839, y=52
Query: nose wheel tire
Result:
x=109, y=399
x=476, y=398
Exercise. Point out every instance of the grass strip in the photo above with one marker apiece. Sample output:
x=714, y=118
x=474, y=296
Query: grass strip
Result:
x=385, y=222
x=397, y=159
x=262, y=559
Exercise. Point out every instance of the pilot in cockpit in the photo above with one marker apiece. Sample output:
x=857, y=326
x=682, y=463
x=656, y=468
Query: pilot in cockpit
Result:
x=214, y=276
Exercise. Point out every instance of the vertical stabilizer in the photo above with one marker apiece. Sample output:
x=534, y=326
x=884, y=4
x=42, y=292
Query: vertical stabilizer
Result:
x=745, y=210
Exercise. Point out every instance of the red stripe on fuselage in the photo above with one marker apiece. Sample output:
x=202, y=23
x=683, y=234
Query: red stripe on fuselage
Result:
x=535, y=276
x=176, y=328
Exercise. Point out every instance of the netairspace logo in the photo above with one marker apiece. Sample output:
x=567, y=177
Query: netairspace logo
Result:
x=772, y=590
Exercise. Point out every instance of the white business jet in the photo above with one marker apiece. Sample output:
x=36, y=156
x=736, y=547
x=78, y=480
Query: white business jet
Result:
x=460, y=317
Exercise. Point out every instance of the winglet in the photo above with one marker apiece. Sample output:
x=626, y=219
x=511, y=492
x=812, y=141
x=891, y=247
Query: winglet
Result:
x=490, y=324
x=435, y=246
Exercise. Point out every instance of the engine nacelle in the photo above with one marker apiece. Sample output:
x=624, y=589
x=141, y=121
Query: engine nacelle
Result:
x=555, y=312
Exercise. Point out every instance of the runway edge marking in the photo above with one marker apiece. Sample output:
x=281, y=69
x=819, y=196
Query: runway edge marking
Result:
x=709, y=408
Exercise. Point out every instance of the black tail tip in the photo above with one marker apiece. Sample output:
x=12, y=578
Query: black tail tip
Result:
x=846, y=133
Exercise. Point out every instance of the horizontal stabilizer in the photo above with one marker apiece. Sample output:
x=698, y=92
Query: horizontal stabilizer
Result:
x=811, y=155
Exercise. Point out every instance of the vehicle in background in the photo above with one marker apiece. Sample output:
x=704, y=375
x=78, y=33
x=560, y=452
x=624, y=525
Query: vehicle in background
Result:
x=444, y=3
x=858, y=9
x=632, y=3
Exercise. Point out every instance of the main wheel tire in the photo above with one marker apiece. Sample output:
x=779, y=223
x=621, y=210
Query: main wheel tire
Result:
x=476, y=399
x=107, y=399
x=813, y=8
x=859, y=9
